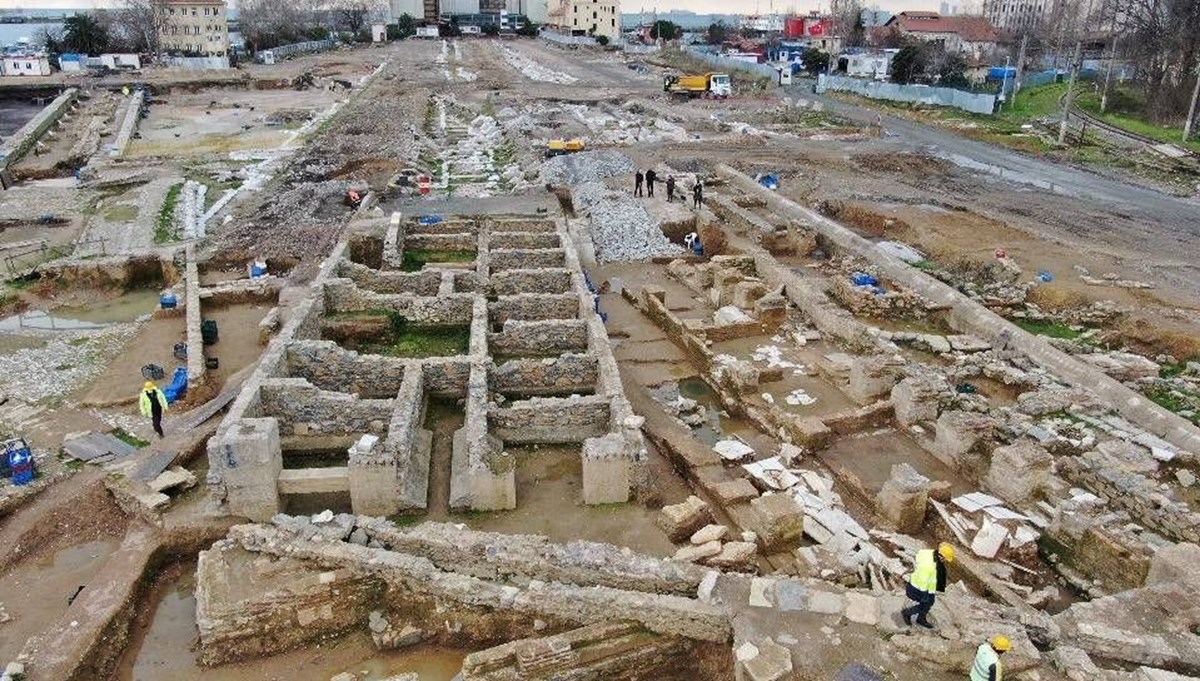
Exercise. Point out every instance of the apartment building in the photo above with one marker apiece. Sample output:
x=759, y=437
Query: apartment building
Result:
x=196, y=28
x=586, y=18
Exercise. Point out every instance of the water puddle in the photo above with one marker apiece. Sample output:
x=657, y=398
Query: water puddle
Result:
x=163, y=650
x=35, y=594
x=91, y=317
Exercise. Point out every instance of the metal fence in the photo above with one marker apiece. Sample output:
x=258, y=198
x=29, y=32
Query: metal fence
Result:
x=284, y=51
x=563, y=39
x=196, y=63
x=636, y=48
x=727, y=63
x=980, y=103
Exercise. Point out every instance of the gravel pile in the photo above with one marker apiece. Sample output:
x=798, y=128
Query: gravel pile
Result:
x=533, y=70
x=621, y=227
x=69, y=361
x=587, y=166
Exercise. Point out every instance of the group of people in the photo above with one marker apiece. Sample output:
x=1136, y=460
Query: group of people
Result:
x=928, y=578
x=648, y=179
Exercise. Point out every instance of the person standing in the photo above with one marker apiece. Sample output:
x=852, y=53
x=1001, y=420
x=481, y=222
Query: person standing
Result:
x=698, y=195
x=153, y=404
x=637, y=183
x=651, y=177
x=987, y=665
x=928, y=578
x=670, y=188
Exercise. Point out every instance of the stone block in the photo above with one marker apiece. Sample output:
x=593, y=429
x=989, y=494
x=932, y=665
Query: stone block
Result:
x=780, y=521
x=247, y=460
x=680, y=521
x=692, y=554
x=957, y=432
x=738, y=556
x=862, y=608
x=1018, y=472
x=607, y=470
x=872, y=377
x=791, y=595
x=902, y=500
x=826, y=603
x=732, y=492
x=762, y=593
x=709, y=533
x=915, y=400
x=1175, y=564
x=773, y=662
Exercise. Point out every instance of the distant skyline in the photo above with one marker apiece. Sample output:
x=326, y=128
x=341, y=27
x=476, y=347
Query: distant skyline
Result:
x=698, y=6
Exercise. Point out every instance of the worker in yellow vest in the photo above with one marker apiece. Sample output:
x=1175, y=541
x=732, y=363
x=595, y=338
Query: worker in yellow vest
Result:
x=927, y=579
x=987, y=659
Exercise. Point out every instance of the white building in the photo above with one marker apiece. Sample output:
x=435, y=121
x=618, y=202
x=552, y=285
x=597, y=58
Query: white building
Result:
x=875, y=64
x=379, y=32
x=25, y=65
x=535, y=10
x=766, y=23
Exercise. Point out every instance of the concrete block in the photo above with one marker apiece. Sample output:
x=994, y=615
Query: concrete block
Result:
x=248, y=459
x=862, y=608
x=607, y=470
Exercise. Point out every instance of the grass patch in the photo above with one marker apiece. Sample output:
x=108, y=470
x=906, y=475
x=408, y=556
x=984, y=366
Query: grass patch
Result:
x=1176, y=369
x=408, y=340
x=1125, y=113
x=164, y=228
x=406, y=520
x=417, y=258
x=926, y=266
x=1175, y=401
x=121, y=213
x=1047, y=328
x=129, y=438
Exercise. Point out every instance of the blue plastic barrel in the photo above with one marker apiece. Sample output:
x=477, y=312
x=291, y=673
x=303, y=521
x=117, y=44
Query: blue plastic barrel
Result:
x=429, y=220
x=258, y=270
x=168, y=301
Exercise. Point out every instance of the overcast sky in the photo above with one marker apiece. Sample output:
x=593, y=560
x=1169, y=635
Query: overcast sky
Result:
x=702, y=6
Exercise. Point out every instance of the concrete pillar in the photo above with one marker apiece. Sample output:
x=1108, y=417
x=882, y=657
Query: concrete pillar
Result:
x=607, y=470
x=246, y=462
x=491, y=471
x=372, y=478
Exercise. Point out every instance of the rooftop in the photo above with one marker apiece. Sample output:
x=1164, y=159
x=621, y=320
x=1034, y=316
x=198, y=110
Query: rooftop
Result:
x=976, y=29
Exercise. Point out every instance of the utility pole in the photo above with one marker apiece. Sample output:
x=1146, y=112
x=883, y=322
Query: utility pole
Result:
x=1112, y=57
x=1069, y=99
x=1020, y=64
x=1187, y=126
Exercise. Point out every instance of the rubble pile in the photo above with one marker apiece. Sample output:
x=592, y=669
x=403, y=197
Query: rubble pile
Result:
x=586, y=166
x=621, y=227
x=533, y=70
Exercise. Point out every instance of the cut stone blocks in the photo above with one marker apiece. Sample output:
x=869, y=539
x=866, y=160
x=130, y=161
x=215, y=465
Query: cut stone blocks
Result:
x=902, y=500
x=773, y=663
x=780, y=521
x=680, y=521
x=1018, y=471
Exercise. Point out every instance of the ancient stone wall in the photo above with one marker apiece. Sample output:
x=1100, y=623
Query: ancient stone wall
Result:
x=330, y=367
x=539, y=338
x=551, y=419
x=532, y=307
x=512, y=282
x=304, y=409
x=560, y=375
x=503, y=259
x=1146, y=501
x=426, y=283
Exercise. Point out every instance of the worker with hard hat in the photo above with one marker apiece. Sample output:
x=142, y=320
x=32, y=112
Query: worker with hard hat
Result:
x=927, y=579
x=153, y=403
x=987, y=659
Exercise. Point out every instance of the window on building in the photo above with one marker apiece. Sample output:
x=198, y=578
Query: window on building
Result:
x=594, y=16
x=614, y=23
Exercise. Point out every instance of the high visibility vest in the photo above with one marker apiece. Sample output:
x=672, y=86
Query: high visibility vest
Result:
x=985, y=657
x=924, y=575
x=144, y=401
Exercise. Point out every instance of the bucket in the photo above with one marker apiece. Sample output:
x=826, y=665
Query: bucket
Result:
x=168, y=300
x=20, y=461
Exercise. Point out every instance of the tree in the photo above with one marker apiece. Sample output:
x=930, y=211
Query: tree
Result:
x=602, y=40
x=528, y=29
x=404, y=27
x=950, y=67
x=718, y=33
x=450, y=30
x=270, y=23
x=85, y=35
x=490, y=29
x=135, y=26
x=815, y=61
x=52, y=41
x=908, y=65
x=352, y=15
x=847, y=15
x=666, y=30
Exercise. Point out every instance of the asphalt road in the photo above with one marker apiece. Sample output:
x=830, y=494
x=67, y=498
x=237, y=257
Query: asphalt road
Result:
x=1139, y=203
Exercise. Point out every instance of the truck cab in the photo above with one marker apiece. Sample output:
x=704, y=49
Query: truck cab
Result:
x=720, y=85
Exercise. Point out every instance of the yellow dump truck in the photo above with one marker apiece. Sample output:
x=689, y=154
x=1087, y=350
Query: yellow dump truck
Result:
x=560, y=147
x=709, y=85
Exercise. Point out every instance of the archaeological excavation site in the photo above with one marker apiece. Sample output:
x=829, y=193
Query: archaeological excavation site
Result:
x=446, y=404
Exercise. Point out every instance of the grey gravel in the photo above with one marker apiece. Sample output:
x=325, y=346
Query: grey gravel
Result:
x=587, y=166
x=621, y=227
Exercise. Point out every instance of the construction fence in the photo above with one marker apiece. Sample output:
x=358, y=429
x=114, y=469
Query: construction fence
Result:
x=975, y=102
x=728, y=63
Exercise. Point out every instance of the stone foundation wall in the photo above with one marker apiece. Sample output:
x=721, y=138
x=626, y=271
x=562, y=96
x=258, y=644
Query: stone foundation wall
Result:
x=513, y=282
x=304, y=409
x=506, y=225
x=551, y=420
x=21, y=141
x=528, y=241
x=424, y=283
x=532, y=307
x=553, y=336
x=1141, y=497
x=503, y=259
x=560, y=375
x=446, y=377
x=441, y=242
x=330, y=367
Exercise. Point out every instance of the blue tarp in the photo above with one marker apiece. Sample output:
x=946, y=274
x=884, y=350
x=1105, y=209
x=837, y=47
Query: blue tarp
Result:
x=429, y=220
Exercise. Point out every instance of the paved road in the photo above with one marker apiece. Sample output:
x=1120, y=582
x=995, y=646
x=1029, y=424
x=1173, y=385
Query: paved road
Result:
x=1131, y=200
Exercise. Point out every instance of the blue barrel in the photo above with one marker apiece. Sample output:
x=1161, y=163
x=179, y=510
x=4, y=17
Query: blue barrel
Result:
x=429, y=220
x=20, y=461
x=258, y=269
x=168, y=301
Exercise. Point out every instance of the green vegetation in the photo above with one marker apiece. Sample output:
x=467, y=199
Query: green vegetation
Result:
x=416, y=258
x=926, y=266
x=164, y=229
x=409, y=340
x=1176, y=401
x=129, y=438
x=1124, y=111
x=121, y=213
x=1048, y=329
x=1176, y=369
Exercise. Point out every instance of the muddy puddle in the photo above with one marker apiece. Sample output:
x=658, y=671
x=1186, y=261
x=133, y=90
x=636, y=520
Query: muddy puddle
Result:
x=550, y=503
x=35, y=594
x=161, y=648
x=97, y=315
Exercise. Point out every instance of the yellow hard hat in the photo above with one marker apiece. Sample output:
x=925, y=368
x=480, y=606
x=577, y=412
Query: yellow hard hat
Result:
x=946, y=551
x=149, y=385
x=1001, y=644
